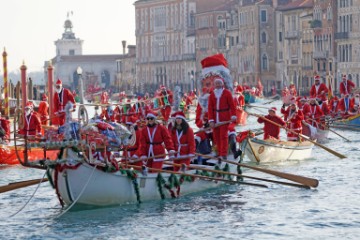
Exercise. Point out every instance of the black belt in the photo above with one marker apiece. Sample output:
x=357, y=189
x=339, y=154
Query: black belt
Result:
x=132, y=149
x=154, y=143
x=222, y=110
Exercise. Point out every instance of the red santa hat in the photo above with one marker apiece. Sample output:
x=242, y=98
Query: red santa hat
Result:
x=273, y=109
x=317, y=78
x=58, y=82
x=29, y=105
x=214, y=63
x=130, y=121
x=128, y=101
x=44, y=97
x=303, y=99
x=151, y=114
x=205, y=90
x=180, y=114
x=293, y=100
x=344, y=77
x=162, y=87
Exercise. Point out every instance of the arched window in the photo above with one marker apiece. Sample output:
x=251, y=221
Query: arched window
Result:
x=264, y=62
x=263, y=37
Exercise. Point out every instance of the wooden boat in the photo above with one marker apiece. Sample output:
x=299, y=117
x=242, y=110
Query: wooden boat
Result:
x=321, y=135
x=88, y=185
x=275, y=150
x=8, y=154
x=351, y=123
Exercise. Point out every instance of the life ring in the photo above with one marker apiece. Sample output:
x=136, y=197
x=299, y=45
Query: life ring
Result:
x=261, y=149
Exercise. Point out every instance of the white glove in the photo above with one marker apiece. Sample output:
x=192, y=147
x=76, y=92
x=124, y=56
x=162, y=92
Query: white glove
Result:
x=172, y=152
x=135, y=156
x=191, y=155
x=233, y=118
x=143, y=157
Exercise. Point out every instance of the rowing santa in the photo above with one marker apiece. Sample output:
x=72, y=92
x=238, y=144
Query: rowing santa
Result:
x=346, y=86
x=61, y=97
x=319, y=90
x=166, y=100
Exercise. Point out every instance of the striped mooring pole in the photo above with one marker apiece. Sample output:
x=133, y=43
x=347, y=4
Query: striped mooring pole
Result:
x=6, y=87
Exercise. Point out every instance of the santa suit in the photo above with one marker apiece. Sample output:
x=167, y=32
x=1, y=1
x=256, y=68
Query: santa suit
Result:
x=151, y=144
x=221, y=108
x=333, y=106
x=43, y=112
x=239, y=102
x=60, y=101
x=118, y=113
x=166, y=101
x=294, y=123
x=184, y=144
x=271, y=130
x=312, y=114
x=238, y=88
x=137, y=111
x=130, y=151
x=346, y=87
x=292, y=90
x=32, y=125
x=5, y=125
x=345, y=106
x=201, y=121
x=319, y=91
x=108, y=114
x=129, y=113
x=325, y=108
x=285, y=112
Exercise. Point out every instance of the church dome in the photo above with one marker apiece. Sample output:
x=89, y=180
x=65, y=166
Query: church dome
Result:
x=68, y=24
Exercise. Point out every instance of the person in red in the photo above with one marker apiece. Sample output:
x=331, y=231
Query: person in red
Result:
x=273, y=90
x=324, y=106
x=108, y=114
x=4, y=130
x=61, y=98
x=153, y=138
x=32, y=124
x=221, y=108
x=346, y=86
x=319, y=90
x=238, y=87
x=313, y=113
x=130, y=151
x=294, y=120
x=239, y=102
x=183, y=138
x=301, y=102
x=128, y=112
x=346, y=106
x=271, y=130
x=292, y=90
x=286, y=111
x=43, y=110
x=166, y=100
x=333, y=106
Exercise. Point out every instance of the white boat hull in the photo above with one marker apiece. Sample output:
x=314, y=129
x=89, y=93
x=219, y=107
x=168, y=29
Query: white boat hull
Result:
x=273, y=151
x=98, y=188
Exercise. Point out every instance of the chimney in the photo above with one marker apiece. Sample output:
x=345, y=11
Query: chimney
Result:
x=124, y=46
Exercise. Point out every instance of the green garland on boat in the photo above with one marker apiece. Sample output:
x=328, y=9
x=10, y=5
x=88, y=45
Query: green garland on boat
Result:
x=160, y=182
x=131, y=174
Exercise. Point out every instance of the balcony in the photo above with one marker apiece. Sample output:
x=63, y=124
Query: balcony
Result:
x=341, y=35
x=321, y=54
x=292, y=34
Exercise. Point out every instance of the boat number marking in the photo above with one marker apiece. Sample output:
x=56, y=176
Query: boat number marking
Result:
x=261, y=149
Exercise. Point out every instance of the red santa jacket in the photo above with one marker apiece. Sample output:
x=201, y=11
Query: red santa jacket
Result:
x=43, y=112
x=325, y=108
x=271, y=130
x=201, y=116
x=32, y=125
x=239, y=102
x=346, y=87
x=319, y=92
x=132, y=150
x=294, y=120
x=333, y=104
x=221, y=109
x=5, y=125
x=312, y=114
x=152, y=139
x=184, y=143
x=60, y=102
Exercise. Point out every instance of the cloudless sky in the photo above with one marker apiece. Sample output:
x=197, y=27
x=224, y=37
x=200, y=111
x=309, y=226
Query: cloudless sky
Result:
x=29, y=28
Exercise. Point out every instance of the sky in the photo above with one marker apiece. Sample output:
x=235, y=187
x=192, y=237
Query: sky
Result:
x=29, y=28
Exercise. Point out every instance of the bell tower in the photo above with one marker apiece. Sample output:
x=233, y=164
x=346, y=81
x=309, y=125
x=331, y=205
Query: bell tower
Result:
x=68, y=45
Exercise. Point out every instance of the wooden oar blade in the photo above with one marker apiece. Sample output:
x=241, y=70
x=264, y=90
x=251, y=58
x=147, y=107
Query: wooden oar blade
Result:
x=17, y=185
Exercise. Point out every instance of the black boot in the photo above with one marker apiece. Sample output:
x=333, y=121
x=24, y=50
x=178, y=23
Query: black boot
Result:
x=237, y=154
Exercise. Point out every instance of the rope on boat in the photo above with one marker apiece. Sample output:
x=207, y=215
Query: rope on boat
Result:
x=80, y=194
x=12, y=215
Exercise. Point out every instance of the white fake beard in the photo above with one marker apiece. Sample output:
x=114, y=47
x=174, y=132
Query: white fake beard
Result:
x=58, y=90
x=27, y=112
x=218, y=92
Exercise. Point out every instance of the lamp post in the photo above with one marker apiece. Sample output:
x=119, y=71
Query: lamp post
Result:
x=81, y=90
x=193, y=81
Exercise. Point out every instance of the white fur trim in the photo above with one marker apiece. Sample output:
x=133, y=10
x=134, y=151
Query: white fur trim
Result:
x=179, y=116
x=150, y=115
x=215, y=69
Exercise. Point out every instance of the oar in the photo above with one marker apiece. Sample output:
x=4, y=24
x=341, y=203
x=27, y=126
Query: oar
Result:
x=17, y=185
x=216, y=125
x=301, y=135
x=240, y=175
x=200, y=176
x=311, y=182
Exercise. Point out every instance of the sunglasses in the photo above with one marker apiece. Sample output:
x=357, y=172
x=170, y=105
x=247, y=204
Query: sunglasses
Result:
x=150, y=118
x=58, y=87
